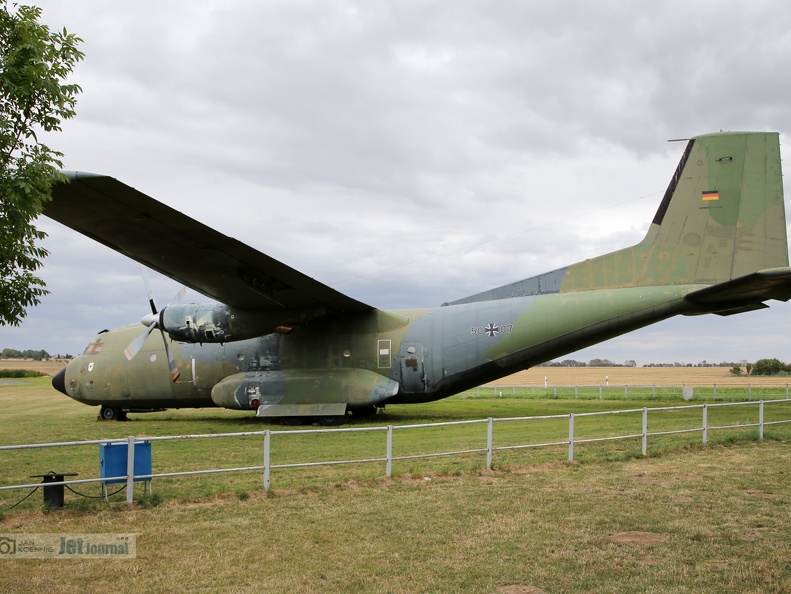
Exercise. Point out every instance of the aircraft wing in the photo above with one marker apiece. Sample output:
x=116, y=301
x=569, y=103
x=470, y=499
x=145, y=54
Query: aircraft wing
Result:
x=187, y=251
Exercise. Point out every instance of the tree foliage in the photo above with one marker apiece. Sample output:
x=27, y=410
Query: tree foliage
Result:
x=769, y=367
x=34, y=97
x=40, y=355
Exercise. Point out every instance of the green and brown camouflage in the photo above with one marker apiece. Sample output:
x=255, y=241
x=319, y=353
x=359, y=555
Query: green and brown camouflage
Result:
x=285, y=345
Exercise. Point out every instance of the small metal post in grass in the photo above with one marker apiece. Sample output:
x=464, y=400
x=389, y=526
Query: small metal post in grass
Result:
x=130, y=469
x=705, y=424
x=389, y=465
x=489, y=443
x=645, y=431
x=761, y=420
x=571, y=437
x=267, y=451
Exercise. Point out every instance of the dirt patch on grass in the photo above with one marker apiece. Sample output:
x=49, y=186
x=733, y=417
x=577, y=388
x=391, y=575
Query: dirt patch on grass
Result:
x=638, y=538
x=760, y=494
x=518, y=589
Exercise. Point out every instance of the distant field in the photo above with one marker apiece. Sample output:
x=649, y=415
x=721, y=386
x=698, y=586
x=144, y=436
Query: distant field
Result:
x=660, y=376
x=48, y=367
x=563, y=376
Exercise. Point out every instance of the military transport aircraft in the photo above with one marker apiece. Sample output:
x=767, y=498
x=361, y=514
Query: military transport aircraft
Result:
x=285, y=345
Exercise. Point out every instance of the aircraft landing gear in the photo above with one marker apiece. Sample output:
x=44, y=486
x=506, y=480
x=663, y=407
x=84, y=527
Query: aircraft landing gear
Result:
x=331, y=420
x=364, y=412
x=110, y=413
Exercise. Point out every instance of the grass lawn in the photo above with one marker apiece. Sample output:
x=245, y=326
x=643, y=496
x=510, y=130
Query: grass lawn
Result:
x=685, y=518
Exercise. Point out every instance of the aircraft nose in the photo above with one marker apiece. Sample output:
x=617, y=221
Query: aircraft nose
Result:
x=59, y=381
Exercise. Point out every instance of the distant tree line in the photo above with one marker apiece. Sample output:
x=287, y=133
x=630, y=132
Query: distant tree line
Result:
x=41, y=355
x=760, y=367
x=627, y=363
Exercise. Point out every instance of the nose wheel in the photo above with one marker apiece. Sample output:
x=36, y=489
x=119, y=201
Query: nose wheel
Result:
x=112, y=413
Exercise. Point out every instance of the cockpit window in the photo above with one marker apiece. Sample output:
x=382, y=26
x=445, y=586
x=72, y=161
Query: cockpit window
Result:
x=94, y=348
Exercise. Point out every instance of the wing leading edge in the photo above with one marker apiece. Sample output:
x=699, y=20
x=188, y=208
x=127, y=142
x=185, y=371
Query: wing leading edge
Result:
x=188, y=251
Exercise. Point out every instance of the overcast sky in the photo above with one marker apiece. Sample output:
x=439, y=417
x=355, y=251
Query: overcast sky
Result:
x=409, y=153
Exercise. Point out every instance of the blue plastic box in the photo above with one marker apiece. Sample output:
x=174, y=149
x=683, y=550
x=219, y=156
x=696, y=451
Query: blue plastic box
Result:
x=113, y=460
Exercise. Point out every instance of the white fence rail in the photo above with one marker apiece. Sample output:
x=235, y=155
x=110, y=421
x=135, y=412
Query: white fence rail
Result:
x=389, y=458
x=625, y=391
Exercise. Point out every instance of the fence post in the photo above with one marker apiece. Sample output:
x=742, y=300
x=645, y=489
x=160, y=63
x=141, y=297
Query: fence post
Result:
x=571, y=437
x=761, y=420
x=645, y=431
x=267, y=452
x=715, y=391
x=576, y=391
x=705, y=424
x=625, y=392
x=749, y=391
x=489, y=443
x=600, y=396
x=130, y=469
x=786, y=391
x=389, y=466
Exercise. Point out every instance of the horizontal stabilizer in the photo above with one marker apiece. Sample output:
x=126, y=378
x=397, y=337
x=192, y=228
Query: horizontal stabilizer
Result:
x=745, y=293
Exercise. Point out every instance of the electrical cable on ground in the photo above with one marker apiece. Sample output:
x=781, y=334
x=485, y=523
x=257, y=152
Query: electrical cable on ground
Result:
x=21, y=500
x=95, y=496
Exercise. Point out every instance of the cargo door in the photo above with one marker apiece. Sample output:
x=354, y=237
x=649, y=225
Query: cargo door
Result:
x=412, y=367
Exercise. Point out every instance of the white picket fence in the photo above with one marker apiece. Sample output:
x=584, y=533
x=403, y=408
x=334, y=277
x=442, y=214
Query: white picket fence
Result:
x=269, y=436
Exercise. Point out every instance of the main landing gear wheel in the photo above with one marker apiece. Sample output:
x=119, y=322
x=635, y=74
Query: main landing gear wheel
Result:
x=364, y=412
x=110, y=413
x=331, y=420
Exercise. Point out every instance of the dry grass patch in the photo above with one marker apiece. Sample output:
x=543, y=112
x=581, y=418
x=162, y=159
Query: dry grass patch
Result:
x=635, y=537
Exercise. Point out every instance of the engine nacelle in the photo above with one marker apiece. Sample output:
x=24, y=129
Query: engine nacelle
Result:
x=214, y=322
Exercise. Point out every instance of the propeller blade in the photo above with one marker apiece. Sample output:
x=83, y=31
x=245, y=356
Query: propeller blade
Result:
x=175, y=374
x=152, y=321
x=137, y=343
x=150, y=294
x=178, y=298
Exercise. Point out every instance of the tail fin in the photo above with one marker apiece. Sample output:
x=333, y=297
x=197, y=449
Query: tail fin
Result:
x=722, y=219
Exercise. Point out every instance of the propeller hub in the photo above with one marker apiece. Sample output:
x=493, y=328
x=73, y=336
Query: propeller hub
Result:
x=150, y=319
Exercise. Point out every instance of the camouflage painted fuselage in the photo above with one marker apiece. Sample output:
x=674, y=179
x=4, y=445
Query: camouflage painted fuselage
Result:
x=716, y=245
